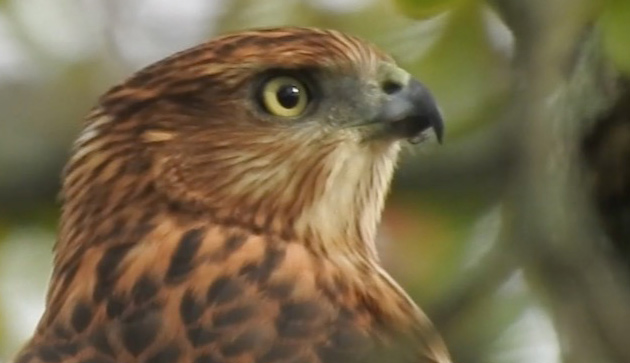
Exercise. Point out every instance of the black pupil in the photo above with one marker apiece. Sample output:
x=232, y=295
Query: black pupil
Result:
x=288, y=96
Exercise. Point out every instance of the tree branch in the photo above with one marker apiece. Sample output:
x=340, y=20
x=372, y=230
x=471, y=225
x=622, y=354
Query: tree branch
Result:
x=565, y=82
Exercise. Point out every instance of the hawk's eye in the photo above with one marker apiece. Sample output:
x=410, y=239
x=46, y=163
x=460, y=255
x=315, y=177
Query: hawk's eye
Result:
x=284, y=96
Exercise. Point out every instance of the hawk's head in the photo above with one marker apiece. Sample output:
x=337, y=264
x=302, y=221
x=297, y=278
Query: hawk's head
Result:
x=291, y=131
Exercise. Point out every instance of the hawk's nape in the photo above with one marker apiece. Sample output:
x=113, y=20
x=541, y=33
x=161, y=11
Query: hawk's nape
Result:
x=221, y=206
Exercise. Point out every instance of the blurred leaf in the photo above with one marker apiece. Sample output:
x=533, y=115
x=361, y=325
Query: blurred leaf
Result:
x=615, y=23
x=465, y=70
x=421, y=9
x=483, y=324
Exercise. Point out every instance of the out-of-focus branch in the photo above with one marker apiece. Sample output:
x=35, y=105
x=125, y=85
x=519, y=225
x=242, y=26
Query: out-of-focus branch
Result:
x=564, y=84
x=477, y=286
x=606, y=149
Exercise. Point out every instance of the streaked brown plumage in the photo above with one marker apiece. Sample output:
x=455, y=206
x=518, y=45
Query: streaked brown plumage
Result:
x=200, y=226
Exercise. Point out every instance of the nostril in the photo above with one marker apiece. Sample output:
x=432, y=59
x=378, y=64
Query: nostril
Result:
x=391, y=87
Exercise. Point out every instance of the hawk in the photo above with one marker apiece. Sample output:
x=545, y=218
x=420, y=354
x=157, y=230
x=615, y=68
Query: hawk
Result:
x=221, y=205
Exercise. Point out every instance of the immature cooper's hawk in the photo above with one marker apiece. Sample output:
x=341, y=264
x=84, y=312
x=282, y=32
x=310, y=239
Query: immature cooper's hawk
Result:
x=222, y=204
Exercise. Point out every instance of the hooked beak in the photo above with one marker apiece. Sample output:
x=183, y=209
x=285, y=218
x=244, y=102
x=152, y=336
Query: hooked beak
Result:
x=410, y=111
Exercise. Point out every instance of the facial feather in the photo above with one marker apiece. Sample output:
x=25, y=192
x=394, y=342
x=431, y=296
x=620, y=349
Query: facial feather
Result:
x=156, y=137
x=355, y=179
x=271, y=177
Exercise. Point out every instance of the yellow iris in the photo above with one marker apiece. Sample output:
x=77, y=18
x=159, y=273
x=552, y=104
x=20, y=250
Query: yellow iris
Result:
x=285, y=96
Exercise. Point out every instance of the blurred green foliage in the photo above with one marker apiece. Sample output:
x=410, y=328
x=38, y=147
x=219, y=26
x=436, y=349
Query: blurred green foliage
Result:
x=615, y=23
x=422, y=9
x=468, y=73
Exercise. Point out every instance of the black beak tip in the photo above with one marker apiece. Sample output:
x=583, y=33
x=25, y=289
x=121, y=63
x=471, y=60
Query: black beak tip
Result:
x=425, y=109
x=417, y=128
x=438, y=128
